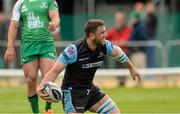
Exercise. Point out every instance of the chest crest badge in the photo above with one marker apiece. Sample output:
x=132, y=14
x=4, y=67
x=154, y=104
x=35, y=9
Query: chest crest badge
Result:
x=44, y=5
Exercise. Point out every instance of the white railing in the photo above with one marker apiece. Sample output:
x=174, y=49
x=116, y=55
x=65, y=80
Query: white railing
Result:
x=130, y=44
x=105, y=72
x=114, y=72
x=163, y=47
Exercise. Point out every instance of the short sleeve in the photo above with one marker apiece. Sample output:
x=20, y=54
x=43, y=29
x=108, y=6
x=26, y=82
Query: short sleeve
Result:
x=69, y=55
x=53, y=5
x=16, y=11
x=109, y=47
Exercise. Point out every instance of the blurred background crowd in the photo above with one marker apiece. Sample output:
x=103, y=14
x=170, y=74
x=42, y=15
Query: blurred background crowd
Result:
x=146, y=30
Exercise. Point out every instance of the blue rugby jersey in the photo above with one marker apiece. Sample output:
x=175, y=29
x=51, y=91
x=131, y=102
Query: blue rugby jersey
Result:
x=82, y=63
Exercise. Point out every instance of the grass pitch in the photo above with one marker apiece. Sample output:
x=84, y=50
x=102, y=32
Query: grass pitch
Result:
x=129, y=100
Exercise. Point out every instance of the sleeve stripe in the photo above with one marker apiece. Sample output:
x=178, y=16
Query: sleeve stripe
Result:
x=16, y=10
x=123, y=58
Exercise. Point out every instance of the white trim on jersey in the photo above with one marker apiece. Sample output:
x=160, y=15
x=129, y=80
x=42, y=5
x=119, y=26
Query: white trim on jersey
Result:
x=121, y=56
x=120, y=52
x=16, y=10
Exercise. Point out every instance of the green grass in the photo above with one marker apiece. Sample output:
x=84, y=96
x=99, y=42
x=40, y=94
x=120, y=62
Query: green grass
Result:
x=132, y=100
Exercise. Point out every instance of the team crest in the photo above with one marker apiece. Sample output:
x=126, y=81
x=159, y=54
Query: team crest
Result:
x=71, y=50
x=44, y=5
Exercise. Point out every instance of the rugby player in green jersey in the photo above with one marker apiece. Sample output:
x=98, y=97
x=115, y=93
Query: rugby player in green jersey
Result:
x=38, y=18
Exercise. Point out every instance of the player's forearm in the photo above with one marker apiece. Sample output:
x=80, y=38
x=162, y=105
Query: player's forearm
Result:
x=53, y=73
x=128, y=64
x=132, y=70
x=54, y=16
x=50, y=76
x=120, y=56
x=12, y=35
x=56, y=20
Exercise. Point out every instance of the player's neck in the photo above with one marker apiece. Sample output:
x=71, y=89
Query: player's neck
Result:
x=91, y=44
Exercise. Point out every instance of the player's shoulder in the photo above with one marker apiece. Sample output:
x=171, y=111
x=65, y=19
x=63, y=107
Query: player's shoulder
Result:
x=109, y=47
x=79, y=41
x=18, y=3
x=17, y=6
x=69, y=55
x=73, y=46
x=108, y=43
x=53, y=1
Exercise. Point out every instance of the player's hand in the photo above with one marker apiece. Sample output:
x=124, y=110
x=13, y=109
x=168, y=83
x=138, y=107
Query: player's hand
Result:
x=52, y=26
x=41, y=93
x=9, y=55
x=135, y=74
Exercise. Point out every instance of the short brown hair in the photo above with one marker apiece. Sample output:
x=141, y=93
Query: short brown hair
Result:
x=92, y=25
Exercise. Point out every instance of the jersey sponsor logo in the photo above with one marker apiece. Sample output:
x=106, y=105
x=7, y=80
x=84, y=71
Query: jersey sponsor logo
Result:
x=92, y=65
x=83, y=59
x=80, y=108
x=71, y=50
x=44, y=5
x=100, y=55
x=34, y=21
x=65, y=56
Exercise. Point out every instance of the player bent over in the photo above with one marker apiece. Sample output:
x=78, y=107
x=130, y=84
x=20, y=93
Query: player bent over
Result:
x=81, y=60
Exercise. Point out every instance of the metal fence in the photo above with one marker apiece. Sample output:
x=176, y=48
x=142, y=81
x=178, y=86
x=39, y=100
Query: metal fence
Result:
x=162, y=53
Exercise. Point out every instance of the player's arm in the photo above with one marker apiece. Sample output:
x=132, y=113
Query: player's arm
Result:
x=10, y=53
x=12, y=32
x=54, y=16
x=50, y=76
x=120, y=56
x=68, y=56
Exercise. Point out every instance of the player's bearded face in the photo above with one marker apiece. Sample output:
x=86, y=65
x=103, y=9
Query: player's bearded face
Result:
x=100, y=35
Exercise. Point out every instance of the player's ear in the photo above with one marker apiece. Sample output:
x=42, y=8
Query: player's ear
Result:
x=92, y=35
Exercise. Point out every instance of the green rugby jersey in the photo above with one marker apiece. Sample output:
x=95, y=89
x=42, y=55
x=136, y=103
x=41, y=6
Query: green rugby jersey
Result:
x=34, y=18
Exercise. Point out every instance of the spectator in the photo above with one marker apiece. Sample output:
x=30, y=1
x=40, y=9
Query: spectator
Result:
x=2, y=26
x=139, y=33
x=119, y=34
x=151, y=24
x=3, y=30
x=151, y=20
x=139, y=10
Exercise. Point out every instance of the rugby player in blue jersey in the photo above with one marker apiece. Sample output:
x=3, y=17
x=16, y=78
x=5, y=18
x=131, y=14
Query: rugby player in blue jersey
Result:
x=81, y=60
